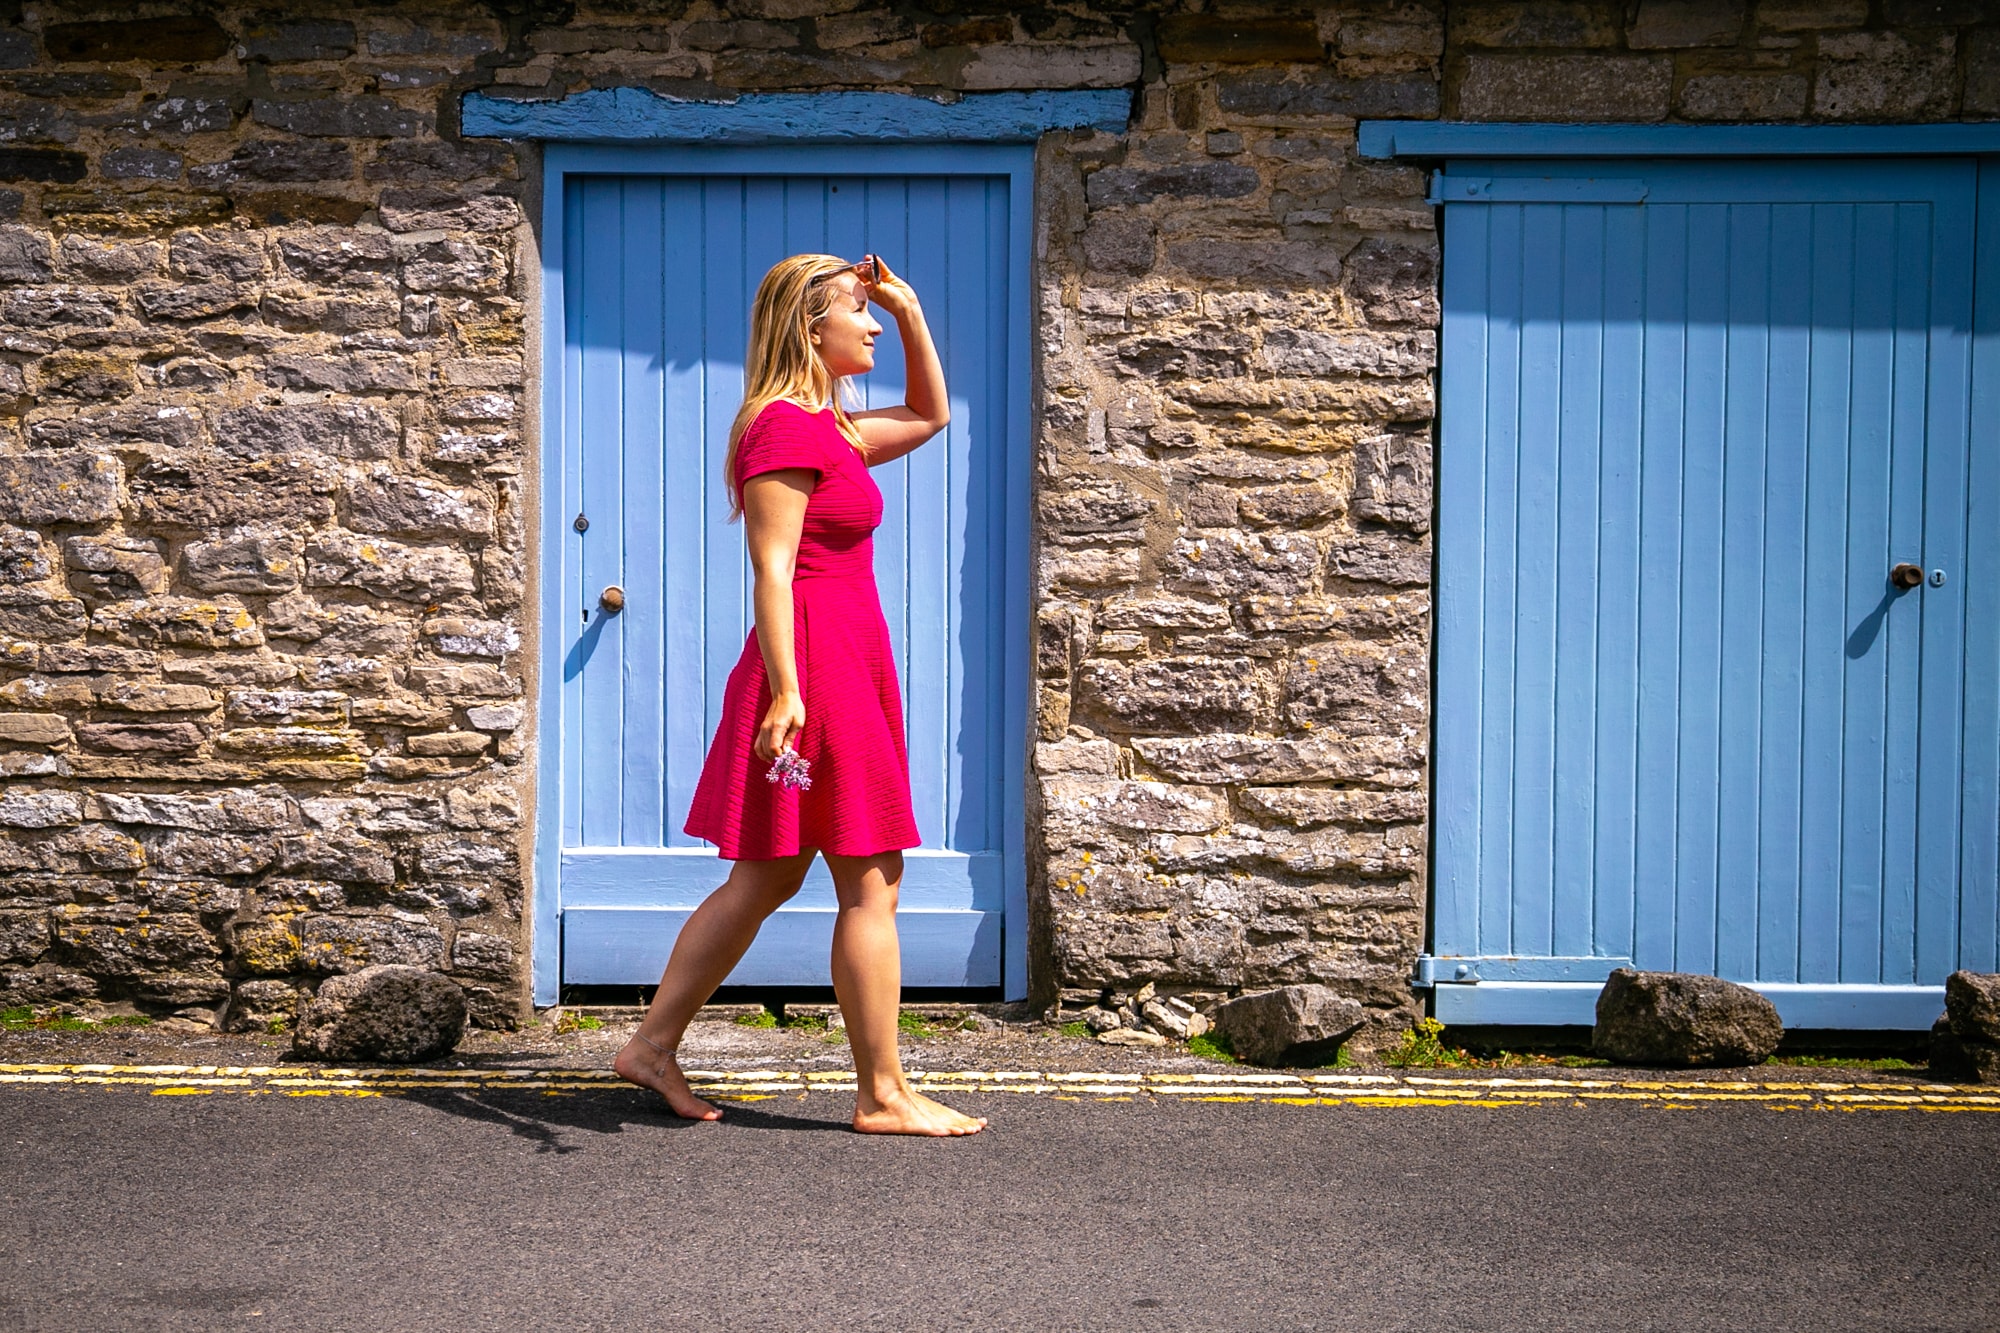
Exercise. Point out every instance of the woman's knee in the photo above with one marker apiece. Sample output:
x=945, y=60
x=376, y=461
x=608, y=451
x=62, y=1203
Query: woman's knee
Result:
x=867, y=882
x=771, y=884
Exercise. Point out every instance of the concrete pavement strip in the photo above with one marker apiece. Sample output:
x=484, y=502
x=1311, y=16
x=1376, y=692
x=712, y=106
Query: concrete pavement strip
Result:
x=1283, y=1089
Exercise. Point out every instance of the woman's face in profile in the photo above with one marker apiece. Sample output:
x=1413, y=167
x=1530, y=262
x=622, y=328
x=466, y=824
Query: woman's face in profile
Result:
x=845, y=339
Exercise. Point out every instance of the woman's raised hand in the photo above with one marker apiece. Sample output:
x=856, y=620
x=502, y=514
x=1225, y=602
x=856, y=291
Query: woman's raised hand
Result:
x=890, y=292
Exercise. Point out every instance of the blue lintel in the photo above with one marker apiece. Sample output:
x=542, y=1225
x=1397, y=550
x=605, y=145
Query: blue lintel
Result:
x=1446, y=138
x=639, y=115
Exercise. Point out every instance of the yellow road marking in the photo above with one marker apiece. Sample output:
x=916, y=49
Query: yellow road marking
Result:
x=1234, y=1086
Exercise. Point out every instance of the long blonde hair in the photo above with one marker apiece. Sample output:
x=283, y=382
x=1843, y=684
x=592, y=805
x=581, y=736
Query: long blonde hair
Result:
x=781, y=363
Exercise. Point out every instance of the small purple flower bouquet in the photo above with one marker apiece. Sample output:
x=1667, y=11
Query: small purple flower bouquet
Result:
x=791, y=770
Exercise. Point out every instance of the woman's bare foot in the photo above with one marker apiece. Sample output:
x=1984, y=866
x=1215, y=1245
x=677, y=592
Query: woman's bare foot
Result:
x=908, y=1112
x=653, y=1066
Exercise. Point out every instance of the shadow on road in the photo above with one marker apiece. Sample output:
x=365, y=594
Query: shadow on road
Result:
x=540, y=1118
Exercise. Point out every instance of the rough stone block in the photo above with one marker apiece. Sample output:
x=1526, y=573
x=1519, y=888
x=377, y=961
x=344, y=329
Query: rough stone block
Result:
x=352, y=943
x=1085, y=803
x=1566, y=87
x=277, y=161
x=156, y=164
x=96, y=260
x=165, y=957
x=1667, y=24
x=138, y=696
x=256, y=562
x=24, y=936
x=168, y=425
x=1260, y=258
x=1536, y=23
x=1963, y=1058
x=386, y=501
x=1225, y=564
x=1312, y=352
x=1399, y=564
x=1121, y=246
x=300, y=39
x=1734, y=97
x=154, y=40
x=338, y=856
x=430, y=208
x=1393, y=481
x=292, y=742
x=149, y=738
x=388, y=569
x=341, y=117
x=1885, y=76
x=453, y=265
x=1972, y=1005
x=404, y=161
x=1679, y=1019
x=24, y=255
x=39, y=807
x=43, y=488
x=47, y=729
x=346, y=430
x=288, y=707
x=186, y=622
x=1275, y=95
x=1289, y=1026
x=23, y=557
x=1223, y=757
x=264, y=1006
x=1178, y=693
x=1211, y=39
x=218, y=256
x=193, y=490
x=115, y=566
x=392, y=1014
x=42, y=164
x=232, y=810
x=482, y=955
x=1325, y=685
x=1982, y=73
x=1024, y=66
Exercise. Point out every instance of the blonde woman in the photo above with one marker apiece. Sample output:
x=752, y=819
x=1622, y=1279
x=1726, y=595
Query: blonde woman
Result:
x=808, y=758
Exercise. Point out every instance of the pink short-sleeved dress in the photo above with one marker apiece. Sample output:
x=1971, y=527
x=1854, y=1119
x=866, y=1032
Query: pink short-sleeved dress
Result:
x=859, y=801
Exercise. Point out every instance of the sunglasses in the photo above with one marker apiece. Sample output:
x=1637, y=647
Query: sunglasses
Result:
x=866, y=268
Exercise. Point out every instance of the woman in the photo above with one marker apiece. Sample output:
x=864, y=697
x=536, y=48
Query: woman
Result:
x=808, y=758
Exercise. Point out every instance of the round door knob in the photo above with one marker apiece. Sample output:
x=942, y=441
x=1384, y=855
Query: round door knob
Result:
x=612, y=599
x=1906, y=575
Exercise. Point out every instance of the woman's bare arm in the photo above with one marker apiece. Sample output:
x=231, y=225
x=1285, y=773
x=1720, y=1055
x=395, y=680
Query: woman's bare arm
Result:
x=774, y=514
x=890, y=432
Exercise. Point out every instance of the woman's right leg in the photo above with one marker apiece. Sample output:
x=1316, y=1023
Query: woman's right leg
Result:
x=709, y=946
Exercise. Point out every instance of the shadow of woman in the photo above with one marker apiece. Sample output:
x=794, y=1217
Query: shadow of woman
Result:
x=541, y=1119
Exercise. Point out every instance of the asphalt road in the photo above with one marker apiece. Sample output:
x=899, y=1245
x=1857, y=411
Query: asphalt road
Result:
x=453, y=1209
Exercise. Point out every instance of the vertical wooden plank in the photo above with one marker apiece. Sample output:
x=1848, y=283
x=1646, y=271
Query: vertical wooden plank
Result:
x=931, y=577
x=1788, y=379
x=1911, y=264
x=1979, y=583
x=1011, y=420
x=1870, y=600
x=1823, y=672
x=1738, y=579
x=1463, y=435
x=642, y=739
x=889, y=236
x=744, y=236
x=1616, y=697
x=1500, y=485
x=1944, y=645
x=1576, y=506
x=1656, y=799
x=552, y=763
x=688, y=478
x=1698, y=578
x=600, y=714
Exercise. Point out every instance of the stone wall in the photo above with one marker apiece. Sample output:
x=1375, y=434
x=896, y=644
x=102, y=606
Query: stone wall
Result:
x=264, y=384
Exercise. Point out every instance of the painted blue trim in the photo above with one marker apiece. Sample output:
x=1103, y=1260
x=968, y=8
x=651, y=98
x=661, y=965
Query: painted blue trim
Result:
x=640, y=116
x=1442, y=138
x=1010, y=159
x=1574, y=1004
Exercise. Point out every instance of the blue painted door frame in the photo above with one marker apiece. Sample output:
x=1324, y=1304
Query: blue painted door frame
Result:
x=623, y=922
x=1691, y=413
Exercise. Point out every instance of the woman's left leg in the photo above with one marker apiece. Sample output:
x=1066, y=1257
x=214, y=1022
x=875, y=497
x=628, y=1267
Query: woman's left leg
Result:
x=868, y=982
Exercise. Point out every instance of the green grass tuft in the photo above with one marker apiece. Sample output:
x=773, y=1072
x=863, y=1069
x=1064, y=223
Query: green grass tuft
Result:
x=572, y=1021
x=763, y=1018
x=1077, y=1028
x=1214, y=1046
x=1842, y=1062
x=1422, y=1047
x=915, y=1025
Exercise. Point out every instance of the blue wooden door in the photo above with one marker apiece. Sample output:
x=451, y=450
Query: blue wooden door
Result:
x=657, y=275
x=1693, y=414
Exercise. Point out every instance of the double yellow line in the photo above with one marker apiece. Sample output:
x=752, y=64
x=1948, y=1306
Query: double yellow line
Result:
x=1330, y=1089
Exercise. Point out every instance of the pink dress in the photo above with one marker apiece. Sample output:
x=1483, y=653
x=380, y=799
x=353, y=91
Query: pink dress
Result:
x=859, y=801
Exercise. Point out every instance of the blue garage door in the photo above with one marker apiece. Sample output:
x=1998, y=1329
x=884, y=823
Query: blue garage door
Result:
x=1694, y=414
x=656, y=281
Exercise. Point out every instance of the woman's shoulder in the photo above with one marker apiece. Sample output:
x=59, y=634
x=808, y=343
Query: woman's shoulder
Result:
x=784, y=434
